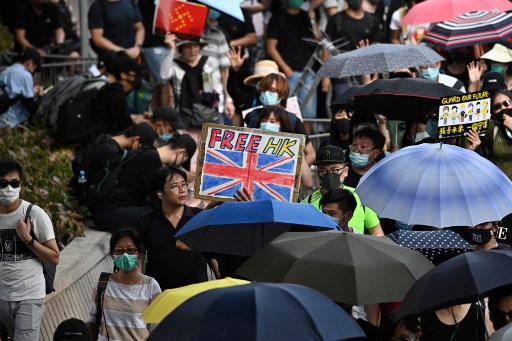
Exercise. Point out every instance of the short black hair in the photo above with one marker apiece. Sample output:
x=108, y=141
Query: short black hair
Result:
x=373, y=134
x=8, y=166
x=126, y=232
x=344, y=198
x=158, y=179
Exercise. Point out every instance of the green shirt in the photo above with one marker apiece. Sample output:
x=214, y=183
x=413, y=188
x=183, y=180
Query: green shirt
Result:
x=362, y=217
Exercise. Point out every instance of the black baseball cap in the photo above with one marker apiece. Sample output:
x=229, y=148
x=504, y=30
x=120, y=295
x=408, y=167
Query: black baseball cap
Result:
x=30, y=53
x=329, y=154
x=493, y=81
x=169, y=114
x=145, y=132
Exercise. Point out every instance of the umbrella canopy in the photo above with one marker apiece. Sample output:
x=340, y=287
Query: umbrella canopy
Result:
x=230, y=7
x=345, y=98
x=378, y=58
x=471, y=28
x=258, y=311
x=433, y=11
x=170, y=299
x=405, y=99
x=437, y=246
x=346, y=267
x=437, y=185
x=465, y=278
x=502, y=334
x=241, y=228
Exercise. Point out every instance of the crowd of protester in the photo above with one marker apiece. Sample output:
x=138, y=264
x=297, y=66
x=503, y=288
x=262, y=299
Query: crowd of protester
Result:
x=135, y=169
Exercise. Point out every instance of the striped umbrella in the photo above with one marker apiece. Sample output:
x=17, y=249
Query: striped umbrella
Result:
x=471, y=28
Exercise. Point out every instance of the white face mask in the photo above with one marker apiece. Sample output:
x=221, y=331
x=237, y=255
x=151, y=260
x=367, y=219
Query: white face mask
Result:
x=421, y=136
x=9, y=195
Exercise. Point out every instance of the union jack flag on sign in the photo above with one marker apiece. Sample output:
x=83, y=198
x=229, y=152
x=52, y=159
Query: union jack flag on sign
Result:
x=256, y=161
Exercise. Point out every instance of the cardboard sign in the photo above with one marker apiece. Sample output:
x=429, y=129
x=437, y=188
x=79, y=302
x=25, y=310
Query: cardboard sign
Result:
x=268, y=164
x=459, y=114
x=184, y=19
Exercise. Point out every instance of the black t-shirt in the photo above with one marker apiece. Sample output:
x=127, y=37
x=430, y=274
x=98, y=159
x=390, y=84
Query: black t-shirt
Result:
x=110, y=111
x=40, y=29
x=354, y=29
x=234, y=28
x=104, y=149
x=134, y=184
x=168, y=265
x=147, y=10
x=352, y=179
x=289, y=30
x=117, y=19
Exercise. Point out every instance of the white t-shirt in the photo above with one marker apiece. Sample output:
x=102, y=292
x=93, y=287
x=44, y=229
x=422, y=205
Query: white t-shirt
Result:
x=21, y=272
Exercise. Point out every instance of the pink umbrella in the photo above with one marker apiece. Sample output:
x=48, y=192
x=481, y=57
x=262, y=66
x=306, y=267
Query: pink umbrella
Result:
x=433, y=11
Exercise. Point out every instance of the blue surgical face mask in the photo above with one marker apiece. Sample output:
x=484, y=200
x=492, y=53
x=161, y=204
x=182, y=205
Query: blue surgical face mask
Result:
x=295, y=3
x=213, y=14
x=431, y=73
x=359, y=160
x=270, y=126
x=166, y=137
x=269, y=98
x=432, y=129
x=497, y=68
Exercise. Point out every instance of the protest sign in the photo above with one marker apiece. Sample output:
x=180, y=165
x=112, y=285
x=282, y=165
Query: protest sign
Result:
x=459, y=114
x=186, y=20
x=268, y=164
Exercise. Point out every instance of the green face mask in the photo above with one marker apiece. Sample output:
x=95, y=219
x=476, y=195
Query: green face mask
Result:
x=126, y=262
x=295, y=3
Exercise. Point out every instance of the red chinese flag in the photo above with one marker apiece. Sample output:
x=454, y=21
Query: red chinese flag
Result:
x=184, y=19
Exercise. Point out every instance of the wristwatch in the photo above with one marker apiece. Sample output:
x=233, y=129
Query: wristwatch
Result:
x=229, y=100
x=30, y=243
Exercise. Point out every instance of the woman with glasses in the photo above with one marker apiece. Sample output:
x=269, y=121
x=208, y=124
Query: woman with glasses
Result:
x=127, y=293
x=170, y=266
x=500, y=131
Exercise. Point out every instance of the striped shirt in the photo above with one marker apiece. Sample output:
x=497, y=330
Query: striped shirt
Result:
x=122, y=306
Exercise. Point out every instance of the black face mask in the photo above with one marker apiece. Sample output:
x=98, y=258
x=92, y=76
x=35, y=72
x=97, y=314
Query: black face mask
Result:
x=342, y=125
x=499, y=319
x=354, y=4
x=479, y=237
x=330, y=181
x=137, y=82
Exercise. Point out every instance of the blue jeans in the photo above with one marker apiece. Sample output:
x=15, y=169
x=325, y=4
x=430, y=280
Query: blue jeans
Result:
x=154, y=56
x=310, y=110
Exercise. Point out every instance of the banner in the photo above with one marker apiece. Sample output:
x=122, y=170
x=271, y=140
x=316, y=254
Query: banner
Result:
x=268, y=164
x=184, y=19
x=459, y=114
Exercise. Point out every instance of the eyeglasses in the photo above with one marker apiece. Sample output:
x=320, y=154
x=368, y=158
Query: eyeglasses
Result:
x=120, y=252
x=178, y=187
x=504, y=104
x=323, y=172
x=14, y=183
x=364, y=149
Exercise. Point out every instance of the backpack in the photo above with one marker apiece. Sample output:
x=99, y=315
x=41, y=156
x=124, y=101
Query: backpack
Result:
x=48, y=269
x=196, y=106
x=74, y=119
x=100, y=289
x=5, y=101
x=105, y=184
x=62, y=93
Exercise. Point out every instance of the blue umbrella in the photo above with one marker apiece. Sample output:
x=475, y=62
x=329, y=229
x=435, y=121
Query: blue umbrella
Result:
x=231, y=7
x=258, y=311
x=437, y=246
x=241, y=228
x=437, y=185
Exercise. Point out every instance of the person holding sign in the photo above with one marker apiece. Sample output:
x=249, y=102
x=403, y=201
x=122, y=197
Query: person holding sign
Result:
x=275, y=118
x=500, y=131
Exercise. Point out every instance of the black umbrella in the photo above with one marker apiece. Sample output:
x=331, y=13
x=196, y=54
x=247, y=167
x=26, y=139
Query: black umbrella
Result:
x=346, y=267
x=345, y=98
x=438, y=246
x=465, y=278
x=405, y=99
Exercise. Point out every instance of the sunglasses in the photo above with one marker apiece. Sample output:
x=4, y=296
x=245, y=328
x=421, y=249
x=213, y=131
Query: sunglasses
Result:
x=505, y=104
x=14, y=183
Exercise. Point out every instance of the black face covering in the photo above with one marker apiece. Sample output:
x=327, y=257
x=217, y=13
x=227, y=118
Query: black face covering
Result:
x=330, y=181
x=137, y=82
x=342, y=125
x=354, y=4
x=479, y=237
